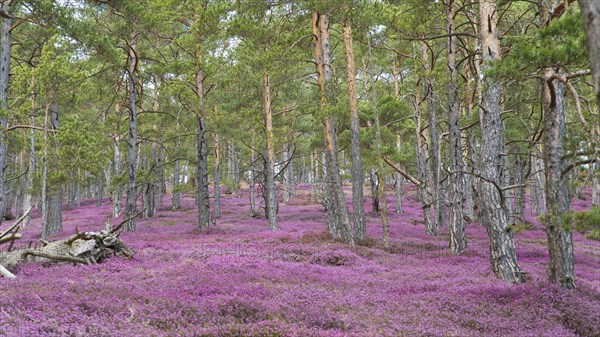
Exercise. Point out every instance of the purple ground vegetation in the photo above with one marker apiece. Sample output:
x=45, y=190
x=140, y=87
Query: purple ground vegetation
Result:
x=241, y=279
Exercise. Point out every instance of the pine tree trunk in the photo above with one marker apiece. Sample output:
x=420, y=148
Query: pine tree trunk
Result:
x=270, y=197
x=590, y=11
x=27, y=202
x=132, y=160
x=399, y=180
x=560, y=239
x=117, y=190
x=494, y=215
x=537, y=182
x=252, y=182
x=595, y=189
x=287, y=178
x=423, y=173
x=217, y=180
x=373, y=178
x=458, y=241
x=176, y=195
x=5, y=55
x=519, y=211
x=202, y=194
x=357, y=170
x=337, y=210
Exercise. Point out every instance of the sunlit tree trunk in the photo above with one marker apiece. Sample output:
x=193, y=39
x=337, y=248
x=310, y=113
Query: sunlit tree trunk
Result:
x=494, y=215
x=337, y=210
x=356, y=171
x=270, y=201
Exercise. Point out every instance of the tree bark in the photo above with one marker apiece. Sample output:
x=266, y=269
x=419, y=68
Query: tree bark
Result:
x=270, y=201
x=560, y=239
x=217, y=180
x=537, y=182
x=519, y=211
x=590, y=10
x=458, y=241
x=5, y=55
x=337, y=210
x=132, y=136
x=202, y=193
x=494, y=215
x=357, y=174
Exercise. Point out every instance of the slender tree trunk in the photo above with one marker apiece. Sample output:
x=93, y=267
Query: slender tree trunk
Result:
x=202, y=157
x=217, y=180
x=132, y=160
x=44, y=192
x=176, y=195
x=100, y=185
x=494, y=215
x=519, y=211
x=399, y=179
x=5, y=55
x=357, y=170
x=117, y=190
x=252, y=182
x=537, y=182
x=270, y=197
x=590, y=10
x=423, y=173
x=337, y=210
x=458, y=240
x=374, y=179
x=27, y=202
x=595, y=188
x=287, y=178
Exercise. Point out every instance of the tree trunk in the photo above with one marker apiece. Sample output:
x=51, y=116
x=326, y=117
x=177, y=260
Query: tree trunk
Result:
x=423, y=173
x=590, y=11
x=383, y=213
x=27, y=202
x=132, y=160
x=560, y=239
x=202, y=194
x=519, y=211
x=356, y=171
x=494, y=215
x=458, y=241
x=5, y=55
x=537, y=182
x=116, y=189
x=337, y=210
x=176, y=195
x=374, y=179
x=217, y=180
x=399, y=179
x=252, y=182
x=270, y=197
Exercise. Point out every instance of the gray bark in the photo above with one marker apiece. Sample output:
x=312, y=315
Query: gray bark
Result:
x=494, y=215
x=132, y=138
x=5, y=55
x=217, y=180
x=337, y=210
x=202, y=193
x=117, y=190
x=560, y=239
x=590, y=10
x=537, y=182
x=252, y=183
x=176, y=197
x=519, y=210
x=356, y=170
x=270, y=196
x=458, y=241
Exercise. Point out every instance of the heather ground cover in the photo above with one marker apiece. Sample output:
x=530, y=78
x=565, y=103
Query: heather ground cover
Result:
x=241, y=279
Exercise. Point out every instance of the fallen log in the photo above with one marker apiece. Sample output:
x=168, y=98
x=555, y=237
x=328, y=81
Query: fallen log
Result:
x=79, y=248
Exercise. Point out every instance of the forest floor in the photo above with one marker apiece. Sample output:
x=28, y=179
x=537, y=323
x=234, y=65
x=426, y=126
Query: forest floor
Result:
x=242, y=279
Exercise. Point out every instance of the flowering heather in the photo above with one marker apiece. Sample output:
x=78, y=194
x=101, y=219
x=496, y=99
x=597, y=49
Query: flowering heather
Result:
x=241, y=279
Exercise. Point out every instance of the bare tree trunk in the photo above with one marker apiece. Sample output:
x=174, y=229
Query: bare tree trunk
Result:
x=374, y=179
x=494, y=215
x=423, y=173
x=100, y=185
x=399, y=179
x=117, y=190
x=252, y=181
x=560, y=239
x=537, y=182
x=270, y=197
x=44, y=192
x=595, y=188
x=217, y=180
x=357, y=170
x=287, y=177
x=27, y=204
x=337, y=210
x=5, y=55
x=519, y=212
x=176, y=195
x=458, y=241
x=132, y=160
x=201, y=153
x=590, y=11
